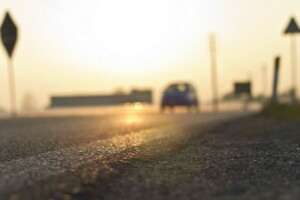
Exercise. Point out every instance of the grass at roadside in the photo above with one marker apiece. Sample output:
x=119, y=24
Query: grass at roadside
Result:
x=283, y=111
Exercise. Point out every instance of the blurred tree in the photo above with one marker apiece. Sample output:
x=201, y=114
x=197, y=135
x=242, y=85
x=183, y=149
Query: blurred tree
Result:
x=229, y=96
x=119, y=91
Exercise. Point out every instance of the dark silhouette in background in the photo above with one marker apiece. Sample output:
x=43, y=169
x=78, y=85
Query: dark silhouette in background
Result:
x=243, y=88
x=144, y=96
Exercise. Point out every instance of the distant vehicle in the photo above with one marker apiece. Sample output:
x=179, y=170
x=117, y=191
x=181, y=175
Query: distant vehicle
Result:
x=180, y=94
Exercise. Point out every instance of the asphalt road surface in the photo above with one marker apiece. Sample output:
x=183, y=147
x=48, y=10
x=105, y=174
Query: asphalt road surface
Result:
x=35, y=149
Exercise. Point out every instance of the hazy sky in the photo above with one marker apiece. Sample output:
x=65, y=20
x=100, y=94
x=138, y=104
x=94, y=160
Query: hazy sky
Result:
x=96, y=46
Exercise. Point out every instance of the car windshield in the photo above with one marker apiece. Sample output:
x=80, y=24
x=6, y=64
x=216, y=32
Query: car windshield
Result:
x=177, y=88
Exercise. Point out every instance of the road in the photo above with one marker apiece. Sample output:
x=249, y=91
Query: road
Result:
x=34, y=149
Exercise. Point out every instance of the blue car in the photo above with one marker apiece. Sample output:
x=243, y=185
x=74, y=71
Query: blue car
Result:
x=180, y=94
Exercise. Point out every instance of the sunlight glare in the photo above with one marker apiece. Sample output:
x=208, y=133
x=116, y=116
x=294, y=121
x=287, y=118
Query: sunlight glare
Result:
x=138, y=106
x=132, y=119
x=133, y=28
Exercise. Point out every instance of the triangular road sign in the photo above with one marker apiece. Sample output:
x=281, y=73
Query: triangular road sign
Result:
x=292, y=27
x=9, y=33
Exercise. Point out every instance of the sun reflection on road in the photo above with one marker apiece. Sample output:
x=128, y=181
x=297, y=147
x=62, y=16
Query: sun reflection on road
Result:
x=133, y=119
x=137, y=106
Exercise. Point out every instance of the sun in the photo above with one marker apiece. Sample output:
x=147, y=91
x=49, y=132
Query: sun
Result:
x=132, y=29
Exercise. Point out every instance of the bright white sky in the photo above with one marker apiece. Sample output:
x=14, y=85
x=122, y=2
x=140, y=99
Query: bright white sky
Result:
x=96, y=46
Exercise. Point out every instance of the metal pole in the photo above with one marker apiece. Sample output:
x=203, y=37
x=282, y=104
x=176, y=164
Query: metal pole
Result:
x=12, y=88
x=294, y=68
x=214, y=81
x=275, y=83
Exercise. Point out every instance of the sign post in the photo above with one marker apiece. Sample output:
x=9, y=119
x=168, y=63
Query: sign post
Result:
x=275, y=82
x=9, y=33
x=293, y=29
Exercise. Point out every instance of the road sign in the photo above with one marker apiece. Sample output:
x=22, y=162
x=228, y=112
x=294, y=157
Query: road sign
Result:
x=9, y=34
x=292, y=27
x=241, y=88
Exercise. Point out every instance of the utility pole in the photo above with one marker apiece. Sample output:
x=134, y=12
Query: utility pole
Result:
x=293, y=29
x=264, y=81
x=214, y=77
x=249, y=74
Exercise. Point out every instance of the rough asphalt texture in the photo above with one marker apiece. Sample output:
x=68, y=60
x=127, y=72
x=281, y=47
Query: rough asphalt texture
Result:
x=44, y=152
x=252, y=158
x=248, y=158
